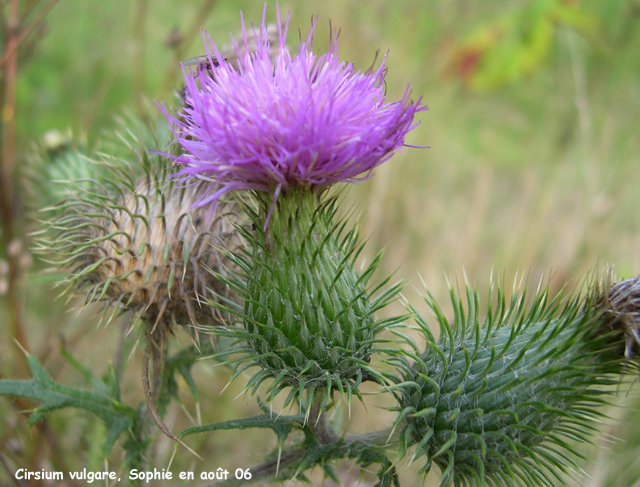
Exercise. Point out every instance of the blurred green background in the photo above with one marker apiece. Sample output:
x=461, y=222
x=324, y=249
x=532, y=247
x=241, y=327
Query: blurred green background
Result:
x=534, y=135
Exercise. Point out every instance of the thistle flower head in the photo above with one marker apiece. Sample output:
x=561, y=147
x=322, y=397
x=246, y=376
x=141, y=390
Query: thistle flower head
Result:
x=299, y=120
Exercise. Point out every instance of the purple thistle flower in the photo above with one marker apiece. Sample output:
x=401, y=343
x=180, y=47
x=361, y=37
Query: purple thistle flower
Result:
x=301, y=120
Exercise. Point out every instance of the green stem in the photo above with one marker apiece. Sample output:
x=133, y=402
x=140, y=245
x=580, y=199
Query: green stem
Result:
x=317, y=421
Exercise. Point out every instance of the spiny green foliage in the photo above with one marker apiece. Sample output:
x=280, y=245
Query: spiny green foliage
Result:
x=498, y=402
x=308, y=316
x=310, y=452
x=282, y=426
x=103, y=400
x=129, y=235
x=305, y=451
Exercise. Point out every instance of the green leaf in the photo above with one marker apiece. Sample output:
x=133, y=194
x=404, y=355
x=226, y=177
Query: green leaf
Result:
x=282, y=426
x=101, y=401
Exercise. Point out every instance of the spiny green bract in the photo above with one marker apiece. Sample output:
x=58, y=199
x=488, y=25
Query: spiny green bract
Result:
x=500, y=404
x=308, y=317
x=128, y=235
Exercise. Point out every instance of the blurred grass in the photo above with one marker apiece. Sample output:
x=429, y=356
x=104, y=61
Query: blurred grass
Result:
x=538, y=176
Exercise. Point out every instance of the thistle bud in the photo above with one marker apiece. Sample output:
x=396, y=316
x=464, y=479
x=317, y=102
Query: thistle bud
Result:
x=129, y=236
x=308, y=316
x=500, y=404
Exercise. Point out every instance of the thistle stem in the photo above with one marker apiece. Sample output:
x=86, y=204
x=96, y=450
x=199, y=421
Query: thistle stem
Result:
x=152, y=351
x=317, y=421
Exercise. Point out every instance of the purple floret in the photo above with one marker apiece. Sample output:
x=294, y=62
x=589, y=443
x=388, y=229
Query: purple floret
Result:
x=299, y=120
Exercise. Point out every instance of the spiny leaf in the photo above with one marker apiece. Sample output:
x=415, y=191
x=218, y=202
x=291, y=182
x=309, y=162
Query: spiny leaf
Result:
x=52, y=396
x=281, y=425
